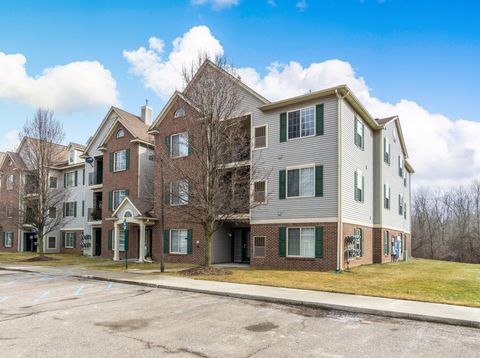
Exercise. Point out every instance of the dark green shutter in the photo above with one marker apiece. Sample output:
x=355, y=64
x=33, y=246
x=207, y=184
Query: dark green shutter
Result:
x=75, y=209
x=282, y=241
x=319, y=242
x=355, y=127
x=319, y=119
x=167, y=146
x=110, y=161
x=189, y=144
x=363, y=135
x=127, y=192
x=64, y=180
x=355, y=183
x=283, y=127
x=83, y=208
x=166, y=194
x=64, y=205
x=74, y=240
x=4, y=239
x=63, y=239
x=282, y=184
x=76, y=177
x=189, y=240
x=127, y=159
x=319, y=180
x=166, y=241
x=110, y=240
x=363, y=189
x=110, y=200
x=83, y=177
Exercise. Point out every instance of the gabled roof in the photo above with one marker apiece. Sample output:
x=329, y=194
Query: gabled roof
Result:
x=16, y=159
x=126, y=200
x=76, y=146
x=2, y=157
x=210, y=64
x=131, y=122
x=167, y=108
x=62, y=149
x=386, y=121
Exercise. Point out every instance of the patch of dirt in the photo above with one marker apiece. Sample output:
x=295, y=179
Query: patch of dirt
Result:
x=261, y=327
x=124, y=326
x=40, y=259
x=206, y=271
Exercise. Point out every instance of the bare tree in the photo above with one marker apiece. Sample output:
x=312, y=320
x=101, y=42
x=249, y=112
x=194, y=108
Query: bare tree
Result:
x=215, y=178
x=40, y=196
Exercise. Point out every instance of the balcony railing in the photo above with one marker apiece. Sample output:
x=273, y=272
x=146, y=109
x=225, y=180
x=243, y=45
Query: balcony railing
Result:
x=94, y=214
x=95, y=178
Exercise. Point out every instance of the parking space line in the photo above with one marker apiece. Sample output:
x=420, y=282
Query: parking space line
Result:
x=4, y=298
x=109, y=285
x=79, y=290
x=42, y=296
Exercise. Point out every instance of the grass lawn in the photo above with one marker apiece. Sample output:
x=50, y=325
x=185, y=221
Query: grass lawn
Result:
x=120, y=266
x=18, y=258
x=417, y=279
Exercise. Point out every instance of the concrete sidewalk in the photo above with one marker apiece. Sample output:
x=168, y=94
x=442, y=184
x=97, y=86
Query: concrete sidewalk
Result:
x=422, y=311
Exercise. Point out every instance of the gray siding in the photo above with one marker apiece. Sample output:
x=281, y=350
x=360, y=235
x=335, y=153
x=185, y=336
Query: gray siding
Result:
x=391, y=218
x=354, y=158
x=318, y=150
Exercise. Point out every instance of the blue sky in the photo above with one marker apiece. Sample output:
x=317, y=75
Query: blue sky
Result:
x=425, y=51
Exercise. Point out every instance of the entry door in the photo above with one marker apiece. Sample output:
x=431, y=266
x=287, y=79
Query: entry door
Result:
x=98, y=242
x=28, y=242
x=245, y=245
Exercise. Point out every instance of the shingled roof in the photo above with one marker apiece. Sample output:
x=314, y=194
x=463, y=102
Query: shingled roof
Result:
x=134, y=124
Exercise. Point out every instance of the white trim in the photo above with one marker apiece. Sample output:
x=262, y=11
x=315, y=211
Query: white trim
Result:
x=300, y=228
x=294, y=221
x=171, y=145
x=264, y=246
x=75, y=239
x=71, y=229
x=314, y=122
x=56, y=242
x=299, y=167
x=253, y=191
x=170, y=242
x=374, y=226
x=266, y=137
x=115, y=170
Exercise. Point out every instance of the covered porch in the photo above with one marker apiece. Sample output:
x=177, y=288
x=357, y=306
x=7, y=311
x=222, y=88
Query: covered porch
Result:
x=132, y=233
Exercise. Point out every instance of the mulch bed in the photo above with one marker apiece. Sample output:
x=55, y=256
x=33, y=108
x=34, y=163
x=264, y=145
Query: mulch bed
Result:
x=206, y=271
x=40, y=258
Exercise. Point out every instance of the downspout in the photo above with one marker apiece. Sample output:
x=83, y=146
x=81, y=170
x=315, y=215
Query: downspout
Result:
x=340, y=180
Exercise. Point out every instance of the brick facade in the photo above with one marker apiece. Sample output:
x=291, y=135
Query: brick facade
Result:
x=75, y=250
x=368, y=249
x=273, y=259
x=9, y=198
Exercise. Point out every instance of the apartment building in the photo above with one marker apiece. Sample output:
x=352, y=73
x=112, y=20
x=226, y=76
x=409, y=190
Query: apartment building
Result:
x=331, y=190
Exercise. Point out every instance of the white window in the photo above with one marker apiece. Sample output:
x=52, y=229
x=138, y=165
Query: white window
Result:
x=70, y=179
x=179, y=113
x=10, y=180
x=400, y=166
x=53, y=182
x=70, y=209
x=8, y=239
x=301, y=123
x=386, y=196
x=260, y=140
x=301, y=182
x=70, y=238
x=179, y=241
x=120, y=133
x=359, y=186
x=118, y=196
x=179, y=145
x=301, y=242
x=9, y=211
x=359, y=133
x=71, y=157
x=121, y=240
x=52, y=242
x=358, y=242
x=259, y=192
x=179, y=193
x=120, y=161
x=386, y=150
x=259, y=246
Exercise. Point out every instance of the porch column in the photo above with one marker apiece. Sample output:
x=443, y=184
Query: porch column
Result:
x=141, y=250
x=116, y=243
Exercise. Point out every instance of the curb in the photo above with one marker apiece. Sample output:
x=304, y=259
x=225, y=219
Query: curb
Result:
x=284, y=301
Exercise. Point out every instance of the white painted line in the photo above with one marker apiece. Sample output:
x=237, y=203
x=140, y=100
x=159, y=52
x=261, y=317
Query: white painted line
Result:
x=42, y=296
x=3, y=299
x=109, y=285
x=79, y=290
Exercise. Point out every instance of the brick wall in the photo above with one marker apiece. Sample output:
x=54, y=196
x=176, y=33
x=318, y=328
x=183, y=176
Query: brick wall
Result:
x=272, y=258
x=367, y=258
x=9, y=198
x=77, y=249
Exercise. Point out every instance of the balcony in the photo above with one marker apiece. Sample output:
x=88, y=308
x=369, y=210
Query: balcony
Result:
x=95, y=179
x=94, y=215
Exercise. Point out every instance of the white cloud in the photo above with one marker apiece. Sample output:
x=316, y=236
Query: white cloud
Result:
x=65, y=88
x=216, y=4
x=302, y=5
x=443, y=151
x=10, y=141
x=272, y=3
x=164, y=76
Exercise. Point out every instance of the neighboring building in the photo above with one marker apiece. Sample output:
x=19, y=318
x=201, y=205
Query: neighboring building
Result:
x=335, y=188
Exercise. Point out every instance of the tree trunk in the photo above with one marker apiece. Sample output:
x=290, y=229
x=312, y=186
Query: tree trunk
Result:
x=208, y=249
x=40, y=245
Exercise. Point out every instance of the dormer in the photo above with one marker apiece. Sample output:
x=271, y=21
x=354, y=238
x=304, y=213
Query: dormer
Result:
x=74, y=152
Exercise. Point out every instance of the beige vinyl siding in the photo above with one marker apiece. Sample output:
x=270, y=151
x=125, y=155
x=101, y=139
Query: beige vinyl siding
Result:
x=315, y=150
x=354, y=158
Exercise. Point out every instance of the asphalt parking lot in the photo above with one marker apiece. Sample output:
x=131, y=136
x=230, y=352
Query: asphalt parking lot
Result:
x=61, y=316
